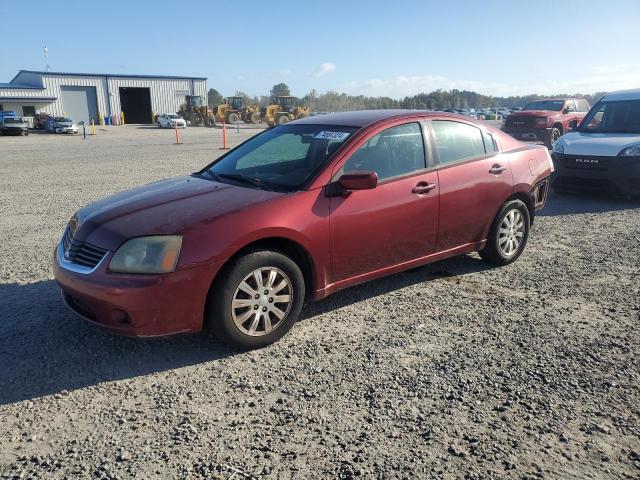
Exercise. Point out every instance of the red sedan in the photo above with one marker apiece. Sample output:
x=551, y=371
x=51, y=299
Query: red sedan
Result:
x=298, y=212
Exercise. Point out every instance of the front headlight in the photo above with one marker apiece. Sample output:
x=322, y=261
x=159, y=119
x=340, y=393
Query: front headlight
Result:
x=632, y=151
x=542, y=121
x=154, y=254
x=558, y=147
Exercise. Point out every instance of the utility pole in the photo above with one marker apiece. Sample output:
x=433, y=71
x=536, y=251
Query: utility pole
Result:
x=46, y=59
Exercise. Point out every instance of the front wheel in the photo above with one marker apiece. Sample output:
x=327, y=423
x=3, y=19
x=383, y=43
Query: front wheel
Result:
x=553, y=137
x=508, y=235
x=257, y=299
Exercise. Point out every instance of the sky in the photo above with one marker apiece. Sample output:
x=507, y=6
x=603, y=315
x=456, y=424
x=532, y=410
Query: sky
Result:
x=391, y=48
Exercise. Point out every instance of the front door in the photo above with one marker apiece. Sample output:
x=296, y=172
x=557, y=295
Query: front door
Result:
x=393, y=223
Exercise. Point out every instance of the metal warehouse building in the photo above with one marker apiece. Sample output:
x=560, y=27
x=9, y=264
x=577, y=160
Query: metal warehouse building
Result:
x=90, y=96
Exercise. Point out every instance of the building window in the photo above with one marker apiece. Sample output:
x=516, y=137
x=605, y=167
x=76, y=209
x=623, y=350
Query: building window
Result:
x=28, y=111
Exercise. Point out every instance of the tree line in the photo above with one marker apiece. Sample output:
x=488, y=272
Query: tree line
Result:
x=437, y=100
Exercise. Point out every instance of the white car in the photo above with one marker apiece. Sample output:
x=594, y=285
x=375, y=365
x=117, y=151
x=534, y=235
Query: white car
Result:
x=61, y=125
x=170, y=120
x=603, y=152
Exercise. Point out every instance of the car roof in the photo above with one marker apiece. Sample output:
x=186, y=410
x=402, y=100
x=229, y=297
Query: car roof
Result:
x=633, y=94
x=362, y=118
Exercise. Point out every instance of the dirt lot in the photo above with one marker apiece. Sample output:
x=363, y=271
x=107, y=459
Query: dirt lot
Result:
x=455, y=370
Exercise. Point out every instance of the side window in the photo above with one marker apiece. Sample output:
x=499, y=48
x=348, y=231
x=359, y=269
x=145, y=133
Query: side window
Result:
x=391, y=153
x=583, y=106
x=490, y=145
x=456, y=141
x=571, y=105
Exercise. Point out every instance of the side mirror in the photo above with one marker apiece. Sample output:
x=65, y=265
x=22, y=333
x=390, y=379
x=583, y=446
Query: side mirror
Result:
x=359, y=180
x=352, y=181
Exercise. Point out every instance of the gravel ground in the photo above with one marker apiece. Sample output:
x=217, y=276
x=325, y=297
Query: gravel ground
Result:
x=454, y=370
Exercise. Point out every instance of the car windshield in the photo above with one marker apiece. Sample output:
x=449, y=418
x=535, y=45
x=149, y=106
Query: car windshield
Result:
x=61, y=119
x=555, y=105
x=13, y=120
x=172, y=116
x=612, y=117
x=282, y=158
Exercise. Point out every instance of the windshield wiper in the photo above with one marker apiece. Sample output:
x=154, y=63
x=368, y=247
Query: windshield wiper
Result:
x=256, y=182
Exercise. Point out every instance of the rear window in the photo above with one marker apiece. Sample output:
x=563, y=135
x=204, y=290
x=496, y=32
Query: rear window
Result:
x=456, y=141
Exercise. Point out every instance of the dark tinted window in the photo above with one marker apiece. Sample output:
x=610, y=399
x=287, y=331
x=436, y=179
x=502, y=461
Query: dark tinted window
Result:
x=391, y=153
x=555, y=105
x=456, y=141
x=28, y=111
x=613, y=117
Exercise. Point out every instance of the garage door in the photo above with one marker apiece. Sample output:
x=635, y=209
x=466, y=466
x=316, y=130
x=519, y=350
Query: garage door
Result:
x=79, y=103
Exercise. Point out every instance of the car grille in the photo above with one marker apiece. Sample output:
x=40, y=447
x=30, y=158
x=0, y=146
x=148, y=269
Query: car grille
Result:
x=586, y=162
x=81, y=253
x=520, y=122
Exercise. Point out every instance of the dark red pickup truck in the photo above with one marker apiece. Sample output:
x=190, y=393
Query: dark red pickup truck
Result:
x=546, y=120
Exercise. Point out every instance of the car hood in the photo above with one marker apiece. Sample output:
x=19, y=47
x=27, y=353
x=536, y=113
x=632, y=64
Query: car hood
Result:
x=171, y=206
x=537, y=113
x=598, y=144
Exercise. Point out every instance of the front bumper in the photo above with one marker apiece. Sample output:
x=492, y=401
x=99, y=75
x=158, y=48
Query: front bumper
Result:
x=609, y=175
x=530, y=134
x=14, y=130
x=136, y=305
x=66, y=130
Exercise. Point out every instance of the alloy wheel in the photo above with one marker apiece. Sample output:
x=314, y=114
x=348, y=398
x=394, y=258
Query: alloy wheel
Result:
x=262, y=301
x=511, y=233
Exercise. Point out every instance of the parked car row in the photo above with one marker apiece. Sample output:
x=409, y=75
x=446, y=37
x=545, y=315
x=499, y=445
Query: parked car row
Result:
x=11, y=123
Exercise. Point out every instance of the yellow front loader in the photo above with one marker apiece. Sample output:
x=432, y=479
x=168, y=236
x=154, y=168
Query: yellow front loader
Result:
x=283, y=110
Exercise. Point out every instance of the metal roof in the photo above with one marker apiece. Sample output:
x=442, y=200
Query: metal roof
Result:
x=114, y=75
x=19, y=85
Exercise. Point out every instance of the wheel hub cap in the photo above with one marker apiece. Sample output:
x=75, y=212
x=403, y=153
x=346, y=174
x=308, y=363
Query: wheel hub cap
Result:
x=262, y=301
x=511, y=233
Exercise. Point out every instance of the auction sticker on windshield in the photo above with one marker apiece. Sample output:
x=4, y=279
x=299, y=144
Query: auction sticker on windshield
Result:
x=331, y=135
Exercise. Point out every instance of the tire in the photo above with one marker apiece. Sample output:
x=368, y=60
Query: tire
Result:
x=504, y=245
x=553, y=137
x=232, y=118
x=282, y=119
x=254, y=117
x=159, y=125
x=234, y=324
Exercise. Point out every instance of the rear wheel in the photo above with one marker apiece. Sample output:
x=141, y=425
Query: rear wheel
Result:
x=159, y=125
x=508, y=235
x=257, y=300
x=254, y=117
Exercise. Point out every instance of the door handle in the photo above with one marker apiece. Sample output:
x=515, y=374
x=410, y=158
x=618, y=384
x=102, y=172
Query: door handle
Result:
x=497, y=169
x=423, y=187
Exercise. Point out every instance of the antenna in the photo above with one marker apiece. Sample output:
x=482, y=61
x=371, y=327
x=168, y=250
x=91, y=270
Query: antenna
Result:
x=46, y=59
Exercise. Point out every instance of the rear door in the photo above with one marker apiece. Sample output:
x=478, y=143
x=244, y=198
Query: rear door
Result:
x=474, y=181
x=393, y=223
